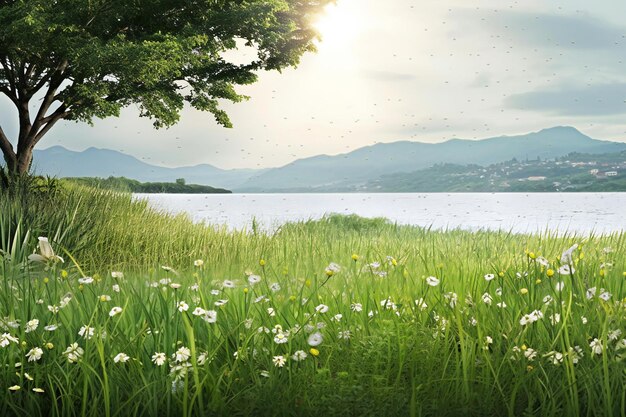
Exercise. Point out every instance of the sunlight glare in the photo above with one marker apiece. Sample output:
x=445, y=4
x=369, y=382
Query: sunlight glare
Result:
x=339, y=23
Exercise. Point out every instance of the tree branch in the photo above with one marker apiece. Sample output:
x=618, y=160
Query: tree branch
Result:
x=5, y=145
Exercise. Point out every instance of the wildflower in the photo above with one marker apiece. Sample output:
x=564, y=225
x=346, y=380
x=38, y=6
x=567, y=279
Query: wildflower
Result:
x=262, y=262
x=34, y=354
x=583, y=319
x=337, y=317
x=104, y=298
x=49, y=346
x=576, y=353
x=555, y=318
x=604, y=295
x=279, y=361
x=247, y=323
x=356, y=307
x=271, y=312
x=531, y=318
x=547, y=299
x=344, y=335
x=169, y=269
x=117, y=274
x=73, y=353
x=38, y=390
x=46, y=253
x=473, y=321
x=121, y=358
x=530, y=354
x=614, y=334
x=264, y=374
x=596, y=346
x=220, y=303
x=555, y=357
x=315, y=339
x=254, y=279
x=182, y=354
x=566, y=270
x=487, y=299
x=198, y=262
x=275, y=287
x=51, y=327
x=86, y=332
x=85, y=280
x=421, y=304
x=158, y=358
x=542, y=261
x=115, y=311
x=355, y=257
x=559, y=286
x=590, y=293
x=15, y=388
x=322, y=308
x=523, y=291
x=198, y=311
x=228, y=284
x=432, y=281
x=182, y=306
x=488, y=341
x=550, y=273
x=489, y=277
x=210, y=316
x=202, y=358
x=332, y=269
x=501, y=304
x=499, y=291
x=299, y=355
x=115, y=288
x=175, y=285
x=314, y=352
x=31, y=325
x=281, y=338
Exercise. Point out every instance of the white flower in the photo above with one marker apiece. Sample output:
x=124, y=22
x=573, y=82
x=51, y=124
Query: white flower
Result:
x=501, y=304
x=264, y=374
x=596, y=346
x=547, y=299
x=228, y=284
x=215, y=292
x=344, y=335
x=198, y=311
x=281, y=338
x=566, y=257
x=182, y=354
x=115, y=311
x=421, y=304
x=591, y=292
x=51, y=327
x=315, y=339
x=121, y=358
x=499, y=291
x=254, y=279
x=555, y=318
x=566, y=270
x=322, y=308
x=542, y=261
x=194, y=287
x=487, y=299
x=583, y=319
x=220, y=303
x=332, y=269
x=531, y=318
x=615, y=334
x=605, y=295
x=473, y=321
x=489, y=277
x=158, y=358
x=559, y=286
x=86, y=332
x=279, y=361
x=530, y=354
x=34, y=354
x=115, y=288
x=31, y=325
x=432, y=281
x=247, y=323
x=182, y=306
x=73, y=353
x=45, y=252
x=175, y=285
x=299, y=355
x=275, y=287
x=117, y=274
x=105, y=298
x=337, y=317
x=271, y=312
x=356, y=307
x=85, y=280
x=198, y=262
x=53, y=309
x=202, y=358
x=210, y=316
x=576, y=353
x=555, y=357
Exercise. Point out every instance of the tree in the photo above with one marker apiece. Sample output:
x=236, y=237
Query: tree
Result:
x=84, y=59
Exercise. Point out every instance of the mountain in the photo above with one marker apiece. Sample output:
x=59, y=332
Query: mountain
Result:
x=347, y=171
x=93, y=162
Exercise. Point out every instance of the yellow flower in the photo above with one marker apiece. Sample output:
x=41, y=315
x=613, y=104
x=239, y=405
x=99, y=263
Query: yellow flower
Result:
x=46, y=280
x=529, y=368
x=38, y=390
x=285, y=271
x=524, y=347
x=292, y=298
x=550, y=273
x=501, y=274
x=15, y=388
x=581, y=255
x=81, y=287
x=307, y=282
x=49, y=346
x=262, y=262
x=355, y=257
x=532, y=255
x=523, y=291
x=64, y=273
x=624, y=274
x=602, y=272
x=314, y=352
x=245, y=290
x=538, y=281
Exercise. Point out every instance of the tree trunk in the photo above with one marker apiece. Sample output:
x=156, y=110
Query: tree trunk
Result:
x=23, y=161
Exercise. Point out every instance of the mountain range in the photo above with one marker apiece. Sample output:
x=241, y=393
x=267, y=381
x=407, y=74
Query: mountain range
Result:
x=329, y=172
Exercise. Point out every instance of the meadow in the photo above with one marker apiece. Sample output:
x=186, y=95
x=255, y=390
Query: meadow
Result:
x=123, y=311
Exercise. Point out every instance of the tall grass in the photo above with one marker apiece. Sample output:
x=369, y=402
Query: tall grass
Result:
x=412, y=348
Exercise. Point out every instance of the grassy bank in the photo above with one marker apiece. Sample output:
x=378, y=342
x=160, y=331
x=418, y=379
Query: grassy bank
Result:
x=256, y=324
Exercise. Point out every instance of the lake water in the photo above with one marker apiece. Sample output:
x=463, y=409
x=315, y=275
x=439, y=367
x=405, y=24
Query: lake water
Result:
x=517, y=212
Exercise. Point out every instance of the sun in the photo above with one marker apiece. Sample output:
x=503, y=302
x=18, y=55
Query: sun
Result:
x=339, y=23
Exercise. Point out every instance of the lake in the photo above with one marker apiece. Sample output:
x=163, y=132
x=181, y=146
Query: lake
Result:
x=517, y=212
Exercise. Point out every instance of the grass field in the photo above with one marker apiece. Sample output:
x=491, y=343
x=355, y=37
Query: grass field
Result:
x=149, y=314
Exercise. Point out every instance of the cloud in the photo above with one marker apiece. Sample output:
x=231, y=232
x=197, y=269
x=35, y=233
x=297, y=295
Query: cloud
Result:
x=578, y=31
x=389, y=76
x=592, y=100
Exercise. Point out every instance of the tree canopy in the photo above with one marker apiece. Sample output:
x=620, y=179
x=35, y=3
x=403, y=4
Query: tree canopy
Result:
x=86, y=59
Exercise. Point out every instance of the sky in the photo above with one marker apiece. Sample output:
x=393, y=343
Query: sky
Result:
x=421, y=70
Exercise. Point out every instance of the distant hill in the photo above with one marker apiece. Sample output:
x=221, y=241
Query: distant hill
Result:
x=133, y=186
x=93, y=162
x=328, y=173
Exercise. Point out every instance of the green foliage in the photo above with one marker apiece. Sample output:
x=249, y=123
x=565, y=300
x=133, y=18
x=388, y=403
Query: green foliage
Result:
x=401, y=359
x=133, y=186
